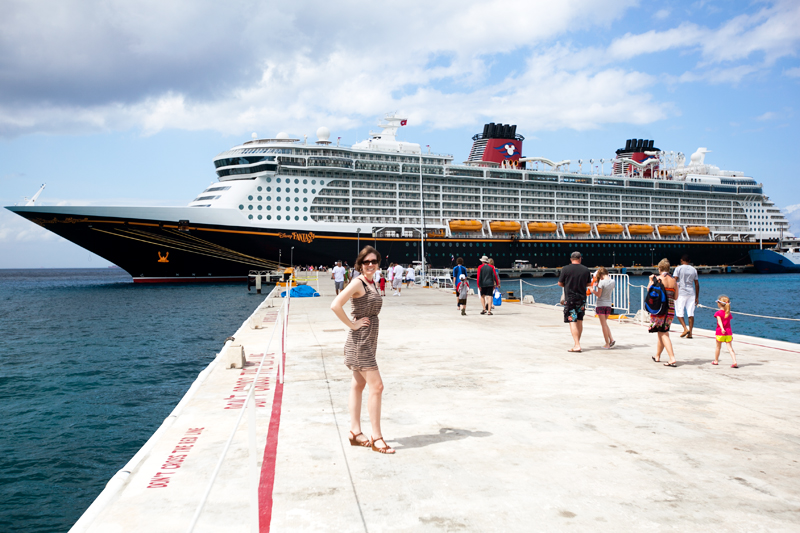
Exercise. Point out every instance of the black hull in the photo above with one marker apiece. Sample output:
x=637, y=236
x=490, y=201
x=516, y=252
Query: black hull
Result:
x=161, y=251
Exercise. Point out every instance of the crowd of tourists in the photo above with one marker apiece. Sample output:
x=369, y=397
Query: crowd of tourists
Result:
x=669, y=294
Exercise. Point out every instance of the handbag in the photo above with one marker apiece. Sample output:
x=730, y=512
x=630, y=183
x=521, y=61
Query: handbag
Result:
x=497, y=298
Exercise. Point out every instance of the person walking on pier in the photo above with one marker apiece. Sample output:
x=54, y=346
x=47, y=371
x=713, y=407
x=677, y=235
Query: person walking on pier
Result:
x=382, y=284
x=660, y=323
x=724, y=330
x=360, y=348
x=462, y=291
x=397, y=281
x=574, y=279
x=604, y=306
x=410, y=277
x=458, y=271
x=689, y=288
x=338, y=276
x=487, y=281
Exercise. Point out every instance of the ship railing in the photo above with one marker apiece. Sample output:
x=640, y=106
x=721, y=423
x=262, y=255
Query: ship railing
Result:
x=249, y=408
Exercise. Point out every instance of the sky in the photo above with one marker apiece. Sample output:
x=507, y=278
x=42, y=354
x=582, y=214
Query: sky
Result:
x=126, y=102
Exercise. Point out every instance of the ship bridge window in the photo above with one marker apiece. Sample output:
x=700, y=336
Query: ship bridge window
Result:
x=215, y=189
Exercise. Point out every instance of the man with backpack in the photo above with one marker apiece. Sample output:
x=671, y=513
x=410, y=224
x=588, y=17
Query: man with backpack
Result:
x=487, y=281
x=458, y=271
x=574, y=279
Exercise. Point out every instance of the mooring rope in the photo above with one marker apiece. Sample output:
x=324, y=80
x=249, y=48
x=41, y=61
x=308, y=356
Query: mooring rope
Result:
x=749, y=314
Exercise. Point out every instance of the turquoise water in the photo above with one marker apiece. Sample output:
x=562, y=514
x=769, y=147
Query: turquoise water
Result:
x=759, y=294
x=90, y=365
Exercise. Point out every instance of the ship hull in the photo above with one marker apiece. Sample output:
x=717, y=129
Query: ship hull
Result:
x=156, y=250
x=771, y=262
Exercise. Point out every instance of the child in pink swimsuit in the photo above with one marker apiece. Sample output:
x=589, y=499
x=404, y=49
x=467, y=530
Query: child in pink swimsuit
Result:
x=724, y=331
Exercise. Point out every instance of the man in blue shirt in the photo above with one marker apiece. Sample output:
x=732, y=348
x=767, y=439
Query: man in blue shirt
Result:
x=457, y=271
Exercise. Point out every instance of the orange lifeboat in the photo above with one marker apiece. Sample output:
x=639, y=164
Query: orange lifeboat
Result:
x=542, y=227
x=577, y=227
x=697, y=231
x=465, y=225
x=670, y=230
x=504, y=226
x=609, y=229
x=640, y=229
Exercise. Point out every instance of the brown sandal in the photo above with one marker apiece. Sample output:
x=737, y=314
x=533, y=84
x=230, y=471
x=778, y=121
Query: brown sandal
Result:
x=355, y=442
x=385, y=449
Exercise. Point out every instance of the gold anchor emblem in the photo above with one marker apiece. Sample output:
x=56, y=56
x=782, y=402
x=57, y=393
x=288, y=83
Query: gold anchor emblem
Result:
x=163, y=258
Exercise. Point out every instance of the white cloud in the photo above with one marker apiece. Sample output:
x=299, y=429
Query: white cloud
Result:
x=793, y=72
x=661, y=14
x=769, y=115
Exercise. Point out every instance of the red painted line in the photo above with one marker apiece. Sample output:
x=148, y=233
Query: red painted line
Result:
x=267, y=481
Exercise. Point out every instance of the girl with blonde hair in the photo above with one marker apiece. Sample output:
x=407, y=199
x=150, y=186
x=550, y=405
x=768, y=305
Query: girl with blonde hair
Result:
x=604, y=306
x=724, y=331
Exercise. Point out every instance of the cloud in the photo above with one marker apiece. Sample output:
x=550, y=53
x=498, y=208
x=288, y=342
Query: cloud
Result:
x=661, y=14
x=769, y=115
x=793, y=72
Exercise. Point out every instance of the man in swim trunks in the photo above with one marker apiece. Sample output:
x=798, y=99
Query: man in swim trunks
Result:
x=574, y=279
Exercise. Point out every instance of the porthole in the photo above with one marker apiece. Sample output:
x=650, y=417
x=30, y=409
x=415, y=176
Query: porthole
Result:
x=305, y=199
x=241, y=206
x=250, y=197
x=305, y=191
x=269, y=198
x=250, y=217
x=269, y=180
x=278, y=189
x=296, y=190
x=313, y=182
x=305, y=218
x=296, y=208
x=259, y=188
x=269, y=189
x=269, y=217
x=321, y=182
x=279, y=217
x=305, y=182
x=250, y=207
x=278, y=208
x=278, y=198
x=259, y=198
x=297, y=218
x=296, y=199
x=406, y=243
x=278, y=180
x=259, y=207
x=259, y=217
x=269, y=208
x=296, y=181
x=313, y=191
x=305, y=209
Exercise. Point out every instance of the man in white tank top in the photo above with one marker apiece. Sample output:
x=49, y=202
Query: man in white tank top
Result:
x=688, y=294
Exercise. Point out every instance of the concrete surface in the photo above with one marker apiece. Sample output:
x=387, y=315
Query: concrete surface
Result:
x=498, y=428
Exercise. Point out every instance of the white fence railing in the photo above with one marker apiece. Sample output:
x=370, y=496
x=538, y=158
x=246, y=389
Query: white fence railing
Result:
x=620, y=297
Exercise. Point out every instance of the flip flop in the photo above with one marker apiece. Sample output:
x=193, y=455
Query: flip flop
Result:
x=734, y=366
x=612, y=344
x=655, y=360
x=574, y=351
x=684, y=333
x=670, y=364
x=714, y=363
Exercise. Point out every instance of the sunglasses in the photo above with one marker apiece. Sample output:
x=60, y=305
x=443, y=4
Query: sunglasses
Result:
x=370, y=262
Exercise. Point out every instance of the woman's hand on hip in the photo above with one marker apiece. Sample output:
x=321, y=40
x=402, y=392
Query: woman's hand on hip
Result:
x=360, y=323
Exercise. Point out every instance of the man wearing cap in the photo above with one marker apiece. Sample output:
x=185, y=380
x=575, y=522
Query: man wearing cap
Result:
x=574, y=279
x=487, y=281
x=338, y=276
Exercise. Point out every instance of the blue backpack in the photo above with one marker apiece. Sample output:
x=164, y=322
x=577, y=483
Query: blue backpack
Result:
x=656, y=301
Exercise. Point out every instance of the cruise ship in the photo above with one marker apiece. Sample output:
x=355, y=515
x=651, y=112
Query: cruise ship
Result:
x=283, y=200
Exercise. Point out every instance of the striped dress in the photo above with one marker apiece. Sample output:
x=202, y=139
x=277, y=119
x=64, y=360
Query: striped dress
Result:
x=662, y=323
x=361, y=345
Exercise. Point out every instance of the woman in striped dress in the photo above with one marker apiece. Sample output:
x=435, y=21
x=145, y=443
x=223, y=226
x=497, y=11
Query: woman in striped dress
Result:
x=360, y=348
x=661, y=324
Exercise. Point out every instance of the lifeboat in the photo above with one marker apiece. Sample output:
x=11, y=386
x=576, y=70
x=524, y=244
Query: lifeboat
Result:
x=670, y=230
x=504, y=226
x=542, y=227
x=609, y=229
x=697, y=231
x=577, y=227
x=465, y=225
x=640, y=229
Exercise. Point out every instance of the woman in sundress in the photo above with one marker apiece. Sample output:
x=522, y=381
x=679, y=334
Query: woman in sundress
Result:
x=660, y=323
x=360, y=348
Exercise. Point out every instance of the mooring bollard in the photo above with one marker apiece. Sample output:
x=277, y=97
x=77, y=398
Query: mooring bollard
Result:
x=258, y=283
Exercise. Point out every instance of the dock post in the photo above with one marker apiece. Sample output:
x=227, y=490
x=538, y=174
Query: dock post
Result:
x=258, y=282
x=520, y=291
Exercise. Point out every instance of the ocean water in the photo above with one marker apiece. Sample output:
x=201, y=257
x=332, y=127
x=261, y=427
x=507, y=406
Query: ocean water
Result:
x=90, y=365
x=759, y=294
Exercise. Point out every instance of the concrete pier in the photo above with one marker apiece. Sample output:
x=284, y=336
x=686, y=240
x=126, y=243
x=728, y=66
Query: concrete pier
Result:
x=496, y=426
